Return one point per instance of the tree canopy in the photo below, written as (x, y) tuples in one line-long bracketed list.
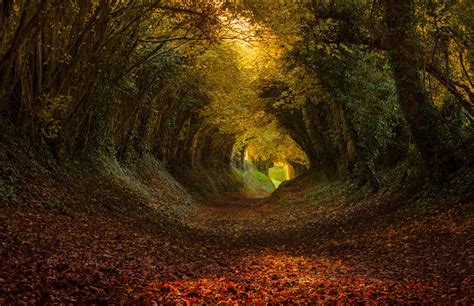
[(347, 88)]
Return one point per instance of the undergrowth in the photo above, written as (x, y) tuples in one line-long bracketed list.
[(96, 183)]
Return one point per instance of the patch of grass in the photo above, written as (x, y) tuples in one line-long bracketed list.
[(262, 179), (276, 183), (277, 174), (254, 181)]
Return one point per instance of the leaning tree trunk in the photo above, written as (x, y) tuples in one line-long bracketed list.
[(429, 134)]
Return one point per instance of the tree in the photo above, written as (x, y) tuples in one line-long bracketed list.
[(430, 135)]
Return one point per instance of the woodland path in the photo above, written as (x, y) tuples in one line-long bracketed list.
[(51, 257)]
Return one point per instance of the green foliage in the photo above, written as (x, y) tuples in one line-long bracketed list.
[(270, 143), (277, 174), (199, 83), (96, 70), (229, 72), (51, 114), (372, 106), (7, 187), (253, 181)]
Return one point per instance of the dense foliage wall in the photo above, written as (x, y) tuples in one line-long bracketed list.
[(351, 88), (110, 77), (367, 85)]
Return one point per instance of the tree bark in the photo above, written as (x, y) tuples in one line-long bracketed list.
[(325, 155), (429, 134)]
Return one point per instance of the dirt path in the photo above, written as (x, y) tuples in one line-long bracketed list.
[(51, 257), (238, 215)]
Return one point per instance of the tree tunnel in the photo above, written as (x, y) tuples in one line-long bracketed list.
[(215, 88), (236, 152)]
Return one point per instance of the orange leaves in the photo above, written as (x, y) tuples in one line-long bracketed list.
[(49, 257), (268, 276)]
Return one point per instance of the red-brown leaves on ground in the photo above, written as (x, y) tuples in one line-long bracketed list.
[(50, 257)]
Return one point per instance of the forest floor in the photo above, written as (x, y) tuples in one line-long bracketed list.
[(297, 246)]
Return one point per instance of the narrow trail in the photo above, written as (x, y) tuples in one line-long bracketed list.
[(49, 257), (118, 117), (237, 214)]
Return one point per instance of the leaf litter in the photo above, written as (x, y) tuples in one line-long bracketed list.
[(237, 251)]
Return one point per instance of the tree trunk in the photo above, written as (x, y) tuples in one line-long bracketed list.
[(429, 134), (324, 153)]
